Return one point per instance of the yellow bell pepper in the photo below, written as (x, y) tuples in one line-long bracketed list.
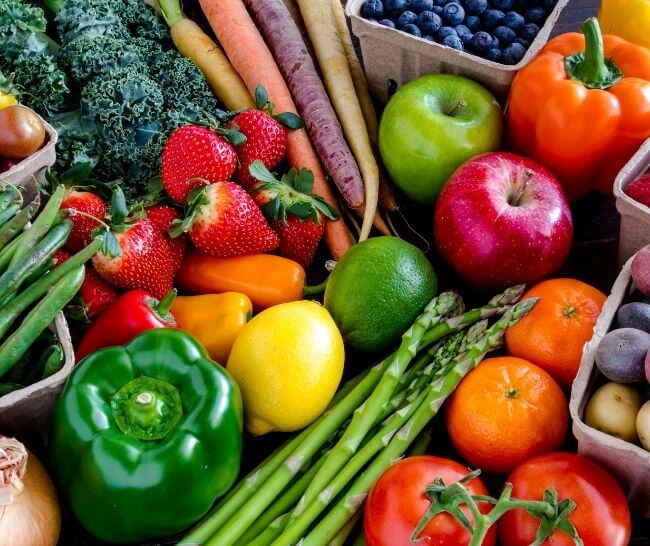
[(6, 99), (215, 320), (629, 19)]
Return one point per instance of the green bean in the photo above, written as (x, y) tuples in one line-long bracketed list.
[(39, 318), (8, 213), (7, 387), (11, 279), (6, 196), (38, 273), (17, 223), (43, 223), (7, 252), (54, 362), (24, 299)]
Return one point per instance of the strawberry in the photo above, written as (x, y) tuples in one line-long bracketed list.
[(135, 253), (193, 155), (163, 216), (223, 220), (266, 136), (95, 295), (91, 208), (294, 212)]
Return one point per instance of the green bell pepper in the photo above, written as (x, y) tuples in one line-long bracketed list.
[(146, 437)]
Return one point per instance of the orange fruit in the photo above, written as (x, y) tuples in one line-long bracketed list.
[(554, 333), (504, 412)]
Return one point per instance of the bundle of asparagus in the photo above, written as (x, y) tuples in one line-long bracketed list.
[(311, 490)]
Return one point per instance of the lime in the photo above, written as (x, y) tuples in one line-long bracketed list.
[(377, 290)]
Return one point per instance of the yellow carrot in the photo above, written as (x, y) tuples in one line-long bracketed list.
[(321, 26), (193, 43)]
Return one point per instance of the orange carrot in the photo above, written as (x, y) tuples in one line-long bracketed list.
[(251, 58)]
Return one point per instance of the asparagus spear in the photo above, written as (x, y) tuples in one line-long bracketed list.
[(345, 508)]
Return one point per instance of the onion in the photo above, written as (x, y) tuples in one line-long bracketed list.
[(29, 509)]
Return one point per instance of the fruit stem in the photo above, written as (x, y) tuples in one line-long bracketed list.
[(316, 289), (166, 302), (462, 103)]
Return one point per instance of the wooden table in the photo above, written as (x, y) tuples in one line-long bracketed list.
[(593, 259)]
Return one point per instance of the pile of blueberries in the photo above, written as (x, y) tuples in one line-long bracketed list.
[(498, 30)]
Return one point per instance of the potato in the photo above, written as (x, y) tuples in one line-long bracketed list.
[(641, 270), (613, 410), (643, 425), (634, 315), (621, 355)]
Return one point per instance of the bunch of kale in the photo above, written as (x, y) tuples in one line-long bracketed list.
[(130, 88)]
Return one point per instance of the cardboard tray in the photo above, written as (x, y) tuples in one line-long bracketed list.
[(629, 462), (32, 169), (635, 217), (392, 58), (31, 407)]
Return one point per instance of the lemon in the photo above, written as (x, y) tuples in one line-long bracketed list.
[(288, 363)]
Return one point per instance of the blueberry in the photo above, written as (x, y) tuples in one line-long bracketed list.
[(475, 7), (419, 6), (492, 18), (494, 55), (411, 29), (454, 42), (481, 42), (503, 5), (437, 10), (387, 23), (453, 13), (394, 7), (529, 31), (513, 53), (464, 33), (372, 9), (407, 18), (548, 5), (440, 2), (429, 37), (527, 4), (444, 32), (522, 42), (495, 43), (535, 15), (514, 20), (429, 22), (472, 22), (505, 35)]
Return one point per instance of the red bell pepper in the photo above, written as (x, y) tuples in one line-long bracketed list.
[(129, 315)]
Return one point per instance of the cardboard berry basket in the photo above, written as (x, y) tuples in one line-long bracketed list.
[(635, 217), (629, 462), (32, 406), (32, 169), (392, 57)]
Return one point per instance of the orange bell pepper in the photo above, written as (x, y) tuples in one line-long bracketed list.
[(266, 279), (215, 320), (582, 107)]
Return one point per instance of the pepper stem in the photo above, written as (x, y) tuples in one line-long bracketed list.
[(316, 289), (590, 67), (166, 302), (144, 398)]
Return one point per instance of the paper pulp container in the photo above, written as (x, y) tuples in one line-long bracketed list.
[(630, 463), (32, 406), (635, 217), (392, 58), (32, 169)]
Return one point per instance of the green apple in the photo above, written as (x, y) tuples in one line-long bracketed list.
[(431, 126)]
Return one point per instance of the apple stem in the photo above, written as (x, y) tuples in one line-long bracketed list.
[(515, 200), (462, 103)]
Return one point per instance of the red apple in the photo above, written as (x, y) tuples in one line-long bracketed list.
[(501, 220), (639, 190)]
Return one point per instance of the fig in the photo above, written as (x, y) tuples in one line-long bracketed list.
[(634, 315), (643, 425), (621, 355), (613, 409), (641, 270)]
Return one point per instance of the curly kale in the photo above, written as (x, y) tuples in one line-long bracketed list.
[(79, 141), (149, 51), (85, 17), (90, 55), (141, 20)]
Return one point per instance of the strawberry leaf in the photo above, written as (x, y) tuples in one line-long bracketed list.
[(119, 210), (258, 170), (233, 135), (79, 172), (261, 97), (110, 245), (301, 209), (195, 200), (290, 120), (325, 208), (304, 181), (155, 186)]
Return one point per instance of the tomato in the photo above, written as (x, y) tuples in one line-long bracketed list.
[(397, 502), (602, 517), (21, 132)]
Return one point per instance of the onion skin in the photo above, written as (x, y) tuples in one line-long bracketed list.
[(34, 516)]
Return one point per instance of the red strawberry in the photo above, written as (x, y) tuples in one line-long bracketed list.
[(163, 216), (224, 221), (89, 206), (295, 214), (639, 190), (96, 295), (192, 155), (266, 136)]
